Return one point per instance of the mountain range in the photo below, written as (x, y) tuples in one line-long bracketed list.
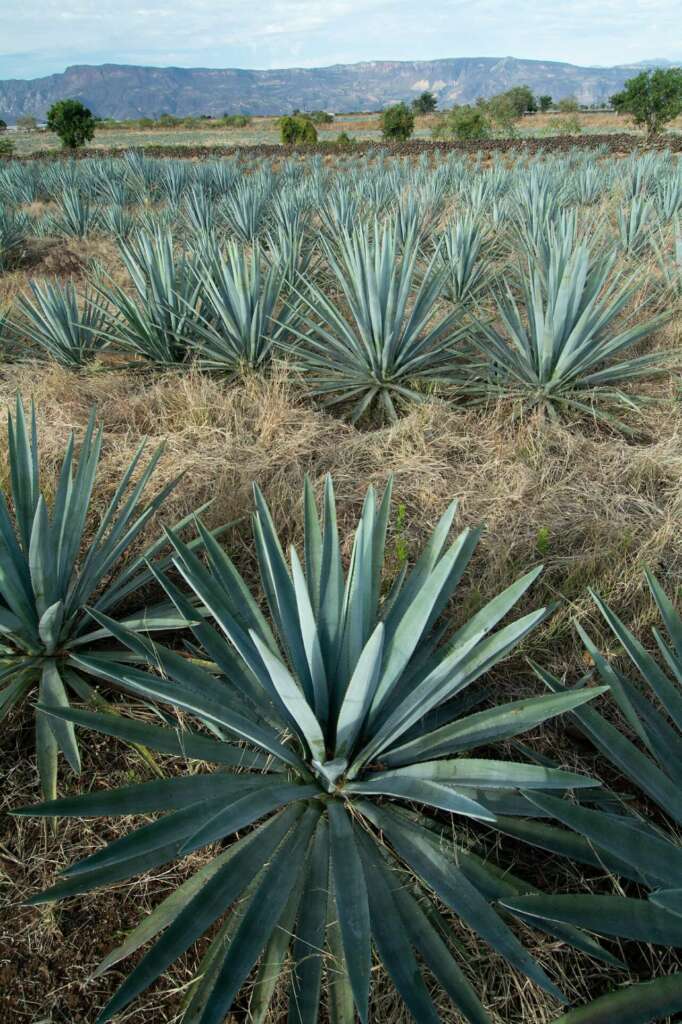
[(126, 91)]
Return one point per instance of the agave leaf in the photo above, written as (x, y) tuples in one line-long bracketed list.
[(643, 1003)]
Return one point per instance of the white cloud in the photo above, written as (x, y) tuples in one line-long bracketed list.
[(42, 36)]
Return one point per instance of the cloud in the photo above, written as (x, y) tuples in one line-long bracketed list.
[(43, 36)]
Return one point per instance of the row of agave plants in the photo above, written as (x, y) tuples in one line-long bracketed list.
[(338, 732), (386, 283)]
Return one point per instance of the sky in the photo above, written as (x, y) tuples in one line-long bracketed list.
[(40, 37)]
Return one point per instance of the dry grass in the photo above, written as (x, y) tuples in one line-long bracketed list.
[(599, 507), (595, 508)]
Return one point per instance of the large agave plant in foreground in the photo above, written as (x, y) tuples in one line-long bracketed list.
[(568, 354), (628, 844), (48, 574), (322, 728)]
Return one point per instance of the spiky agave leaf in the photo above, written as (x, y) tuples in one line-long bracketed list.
[(161, 321), (344, 707), (627, 843), (53, 320), (566, 355), (50, 573), (244, 311), (387, 348), (14, 231)]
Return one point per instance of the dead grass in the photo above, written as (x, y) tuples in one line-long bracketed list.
[(599, 507), (595, 508)]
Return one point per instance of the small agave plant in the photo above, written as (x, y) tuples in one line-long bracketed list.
[(48, 574), (326, 731)]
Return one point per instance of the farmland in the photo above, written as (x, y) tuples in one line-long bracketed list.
[(265, 131), (499, 329)]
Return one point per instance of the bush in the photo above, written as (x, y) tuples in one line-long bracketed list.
[(568, 125), (320, 117), (504, 112), (463, 122), (425, 104), (522, 99), (544, 103), (397, 122), (235, 120), (3, 125), (568, 105), (652, 98), (6, 147), (297, 130), (27, 122), (72, 122)]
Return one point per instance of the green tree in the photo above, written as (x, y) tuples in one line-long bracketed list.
[(652, 98), (522, 99), (568, 105), (72, 122), (397, 122), (544, 102), (297, 130), (425, 104), (463, 122), (503, 112), (3, 125), (27, 122)]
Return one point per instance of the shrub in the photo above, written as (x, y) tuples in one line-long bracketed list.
[(72, 122), (568, 105), (652, 98), (27, 122), (6, 147), (3, 125), (569, 125), (522, 99), (425, 104), (320, 117), (344, 718), (235, 120), (464, 123), (397, 122), (297, 130), (503, 111)]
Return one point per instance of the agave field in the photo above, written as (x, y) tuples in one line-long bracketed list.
[(340, 572)]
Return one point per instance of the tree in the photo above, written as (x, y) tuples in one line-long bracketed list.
[(27, 122), (72, 122), (522, 99), (397, 122), (652, 98), (544, 102), (297, 130), (3, 125), (425, 104), (568, 105), (504, 112), (463, 122)]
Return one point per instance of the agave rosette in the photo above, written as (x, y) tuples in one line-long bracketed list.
[(49, 572), (325, 731)]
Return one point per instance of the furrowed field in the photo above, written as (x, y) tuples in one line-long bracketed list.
[(424, 764)]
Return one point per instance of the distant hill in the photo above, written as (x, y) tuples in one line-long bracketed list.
[(126, 91)]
